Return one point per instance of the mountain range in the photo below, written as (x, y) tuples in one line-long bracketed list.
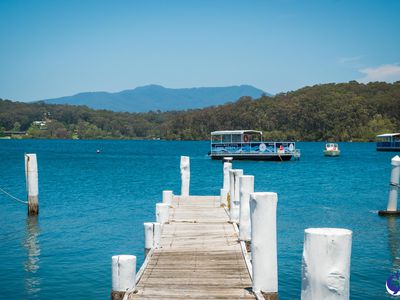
[(156, 97)]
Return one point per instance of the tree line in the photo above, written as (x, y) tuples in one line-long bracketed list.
[(336, 112)]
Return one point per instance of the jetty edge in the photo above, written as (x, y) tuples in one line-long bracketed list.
[(198, 253)]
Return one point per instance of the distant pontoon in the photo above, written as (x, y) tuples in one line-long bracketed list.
[(388, 142)]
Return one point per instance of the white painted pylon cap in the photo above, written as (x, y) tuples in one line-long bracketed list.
[(396, 161), (247, 176), (264, 196), (328, 231)]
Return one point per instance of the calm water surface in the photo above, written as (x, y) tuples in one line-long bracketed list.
[(92, 206)]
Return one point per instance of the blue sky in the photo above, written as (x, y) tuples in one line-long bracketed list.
[(62, 47)]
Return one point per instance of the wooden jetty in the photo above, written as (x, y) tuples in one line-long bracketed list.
[(200, 256), (197, 249)]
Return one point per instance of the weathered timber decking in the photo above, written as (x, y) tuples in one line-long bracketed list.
[(199, 258)]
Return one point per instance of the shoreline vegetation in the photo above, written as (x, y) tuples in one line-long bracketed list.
[(327, 112)]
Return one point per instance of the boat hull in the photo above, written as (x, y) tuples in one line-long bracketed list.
[(331, 152), (274, 157), (388, 149)]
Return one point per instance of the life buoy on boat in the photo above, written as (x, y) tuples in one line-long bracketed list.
[(262, 147), (245, 138)]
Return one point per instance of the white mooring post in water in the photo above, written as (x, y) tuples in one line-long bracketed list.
[(263, 243), (185, 175), (234, 194), (326, 264), (246, 187), (394, 189), (167, 197), (32, 183), (123, 275), (162, 213), (225, 186)]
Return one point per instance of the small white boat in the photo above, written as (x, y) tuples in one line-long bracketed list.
[(331, 149)]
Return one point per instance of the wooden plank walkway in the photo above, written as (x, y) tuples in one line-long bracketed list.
[(199, 258)]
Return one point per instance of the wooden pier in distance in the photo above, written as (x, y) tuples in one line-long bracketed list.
[(200, 256)]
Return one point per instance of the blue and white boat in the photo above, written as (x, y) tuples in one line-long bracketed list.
[(249, 145), (388, 142)]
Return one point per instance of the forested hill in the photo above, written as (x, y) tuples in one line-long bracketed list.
[(340, 112)]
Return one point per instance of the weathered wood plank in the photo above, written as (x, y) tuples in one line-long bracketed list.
[(199, 258)]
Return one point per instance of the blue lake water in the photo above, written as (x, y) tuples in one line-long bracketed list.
[(93, 206)]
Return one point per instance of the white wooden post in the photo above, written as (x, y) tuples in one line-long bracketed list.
[(227, 159), (246, 187), (185, 175), (148, 236), (123, 275), (32, 183), (226, 168), (263, 242), (156, 235), (326, 264), (394, 184), (162, 213), (235, 201), (231, 187), (224, 197), (167, 197), (152, 235), (225, 187)]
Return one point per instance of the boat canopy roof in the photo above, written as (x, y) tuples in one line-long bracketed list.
[(223, 132), (387, 135)]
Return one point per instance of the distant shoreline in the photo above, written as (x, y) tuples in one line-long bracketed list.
[(164, 140), (327, 112)]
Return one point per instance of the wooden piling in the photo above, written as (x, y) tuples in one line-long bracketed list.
[(185, 175), (225, 187), (123, 276), (234, 194), (263, 242), (148, 237), (394, 189), (226, 167), (223, 198), (246, 187), (326, 264), (162, 213), (156, 234), (32, 183), (167, 197)]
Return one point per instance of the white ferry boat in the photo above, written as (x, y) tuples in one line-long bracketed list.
[(249, 145)]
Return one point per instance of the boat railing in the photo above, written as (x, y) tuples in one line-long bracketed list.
[(388, 144), (254, 147)]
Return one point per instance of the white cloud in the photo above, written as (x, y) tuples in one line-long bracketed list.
[(388, 73), (350, 60)]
